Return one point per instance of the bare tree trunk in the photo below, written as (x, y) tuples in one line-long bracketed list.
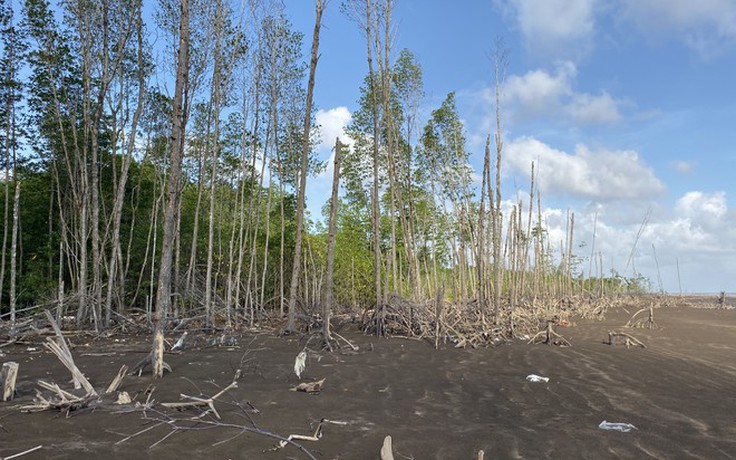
[(216, 83), (331, 234), (14, 253), (499, 68), (291, 323), (480, 243), (125, 167), (163, 292)]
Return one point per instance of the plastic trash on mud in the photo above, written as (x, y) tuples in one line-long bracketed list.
[(537, 378), (612, 426)]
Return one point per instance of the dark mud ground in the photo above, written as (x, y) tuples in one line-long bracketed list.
[(680, 392)]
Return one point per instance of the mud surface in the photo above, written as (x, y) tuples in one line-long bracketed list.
[(680, 393)]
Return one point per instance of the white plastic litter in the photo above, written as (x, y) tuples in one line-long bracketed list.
[(622, 427), (537, 378), (300, 363)]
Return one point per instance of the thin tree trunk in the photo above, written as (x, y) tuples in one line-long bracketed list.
[(291, 323), (331, 234), (216, 83), (163, 292), (14, 253)]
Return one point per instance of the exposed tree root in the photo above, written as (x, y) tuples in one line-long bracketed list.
[(616, 337), (549, 337)]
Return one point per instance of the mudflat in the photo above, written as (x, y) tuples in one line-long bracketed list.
[(679, 392)]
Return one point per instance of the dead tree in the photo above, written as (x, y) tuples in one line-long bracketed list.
[(163, 293)]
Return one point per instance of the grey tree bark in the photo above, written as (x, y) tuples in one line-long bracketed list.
[(296, 268)]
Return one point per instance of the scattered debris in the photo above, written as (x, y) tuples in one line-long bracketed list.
[(537, 378), (179, 345), (310, 387), (123, 398), (622, 427), (209, 402), (300, 363)]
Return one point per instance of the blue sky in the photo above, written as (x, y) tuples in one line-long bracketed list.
[(627, 107)]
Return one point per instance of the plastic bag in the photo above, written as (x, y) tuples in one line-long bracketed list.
[(622, 427), (537, 378)]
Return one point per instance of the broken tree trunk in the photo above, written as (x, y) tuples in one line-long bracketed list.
[(7, 377), (387, 452), (437, 315), (65, 356)]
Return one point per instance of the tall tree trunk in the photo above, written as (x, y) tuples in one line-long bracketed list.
[(331, 233), (163, 292), (291, 323), (14, 253), (119, 196), (216, 83)]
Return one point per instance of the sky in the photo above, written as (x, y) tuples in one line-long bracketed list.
[(627, 108)]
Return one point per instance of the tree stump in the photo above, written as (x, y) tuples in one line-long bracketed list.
[(7, 376)]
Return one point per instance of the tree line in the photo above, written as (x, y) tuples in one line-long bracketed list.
[(169, 176)]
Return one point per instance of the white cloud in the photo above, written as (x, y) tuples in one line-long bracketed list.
[(539, 93), (707, 26), (685, 167), (557, 28), (689, 253), (703, 209), (601, 175), (586, 108), (332, 125)]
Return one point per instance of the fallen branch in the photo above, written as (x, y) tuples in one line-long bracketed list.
[(198, 402), (301, 437), (20, 454)]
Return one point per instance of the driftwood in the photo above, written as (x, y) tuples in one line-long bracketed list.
[(310, 387), (25, 452), (195, 401), (7, 377), (615, 337), (61, 400), (301, 437)]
